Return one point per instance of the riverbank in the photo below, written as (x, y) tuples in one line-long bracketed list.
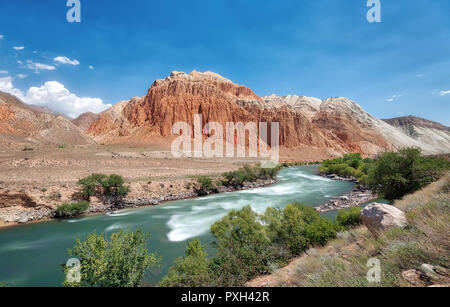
[(170, 225), (13, 216), (357, 197), (413, 257)]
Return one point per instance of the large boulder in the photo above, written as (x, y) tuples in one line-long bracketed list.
[(381, 217)]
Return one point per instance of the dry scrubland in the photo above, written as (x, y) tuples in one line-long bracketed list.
[(47, 175), (402, 253)]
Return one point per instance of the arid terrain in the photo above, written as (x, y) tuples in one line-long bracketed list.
[(43, 154), (48, 175)]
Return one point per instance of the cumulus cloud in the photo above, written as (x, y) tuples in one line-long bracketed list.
[(1, 36), (22, 76), (420, 75), (18, 48), (393, 97), (66, 60), (38, 66), (443, 93), (7, 86), (3, 71), (55, 96), (91, 67)]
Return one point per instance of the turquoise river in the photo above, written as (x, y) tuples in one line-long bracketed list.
[(31, 255)]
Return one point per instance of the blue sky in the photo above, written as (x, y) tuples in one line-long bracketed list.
[(320, 48)]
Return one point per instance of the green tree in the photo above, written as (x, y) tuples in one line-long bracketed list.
[(192, 270), (120, 261)]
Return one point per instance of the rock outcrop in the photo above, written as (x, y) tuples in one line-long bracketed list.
[(381, 217)]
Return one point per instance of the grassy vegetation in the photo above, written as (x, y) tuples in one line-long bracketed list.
[(350, 217), (249, 244), (71, 210), (28, 149)]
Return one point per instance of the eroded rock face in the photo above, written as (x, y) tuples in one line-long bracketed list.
[(337, 124), (16, 199), (381, 217), (180, 96)]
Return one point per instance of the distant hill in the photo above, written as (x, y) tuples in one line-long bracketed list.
[(20, 122), (85, 120), (423, 130), (45, 110)]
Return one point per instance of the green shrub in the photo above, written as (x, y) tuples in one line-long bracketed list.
[(397, 174), (350, 217), (91, 185), (192, 270), (205, 186), (71, 210), (249, 244), (249, 174), (120, 261), (243, 248), (28, 149), (110, 187)]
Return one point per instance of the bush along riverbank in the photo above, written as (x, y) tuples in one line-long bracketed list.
[(390, 176), (106, 194)]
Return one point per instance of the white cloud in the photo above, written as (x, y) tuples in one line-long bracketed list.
[(420, 75), (22, 76), (443, 93), (66, 60), (1, 36), (7, 86), (38, 66), (55, 96), (3, 71), (91, 67), (393, 97), (19, 48)]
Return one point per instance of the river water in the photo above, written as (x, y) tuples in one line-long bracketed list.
[(31, 255)]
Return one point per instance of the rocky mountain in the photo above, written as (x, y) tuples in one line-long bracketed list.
[(423, 130), (22, 123), (309, 127), (85, 120)]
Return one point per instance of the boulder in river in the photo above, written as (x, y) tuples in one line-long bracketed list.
[(381, 217)]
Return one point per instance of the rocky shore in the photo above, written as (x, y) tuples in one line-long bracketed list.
[(21, 215), (356, 197)]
